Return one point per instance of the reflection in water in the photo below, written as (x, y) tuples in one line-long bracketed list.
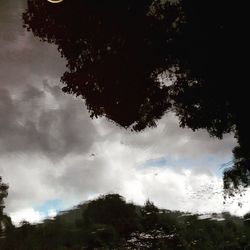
[(116, 51)]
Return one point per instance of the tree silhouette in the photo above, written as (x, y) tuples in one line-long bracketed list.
[(3, 194), (112, 210), (115, 51), (210, 92), (150, 216), (132, 61)]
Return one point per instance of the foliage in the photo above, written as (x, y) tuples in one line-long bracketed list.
[(5, 221), (3, 194), (132, 61), (112, 210)]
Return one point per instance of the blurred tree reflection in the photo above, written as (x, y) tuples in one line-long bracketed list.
[(132, 61)]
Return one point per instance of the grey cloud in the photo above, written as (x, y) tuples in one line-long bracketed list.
[(35, 59), (86, 177), (168, 139), (25, 175), (10, 14), (22, 55), (27, 125)]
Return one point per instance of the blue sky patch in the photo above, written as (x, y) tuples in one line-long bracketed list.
[(48, 205), (158, 162)]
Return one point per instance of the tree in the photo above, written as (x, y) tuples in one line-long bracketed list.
[(114, 50), (210, 93), (3, 194), (112, 210), (123, 55), (150, 216)]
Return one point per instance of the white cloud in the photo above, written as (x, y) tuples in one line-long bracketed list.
[(52, 213), (27, 214), (78, 158)]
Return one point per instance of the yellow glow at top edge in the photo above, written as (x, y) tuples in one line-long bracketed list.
[(55, 1)]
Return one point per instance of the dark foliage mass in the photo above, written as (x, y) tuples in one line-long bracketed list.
[(132, 61), (5, 221), (114, 53), (3, 194), (98, 224)]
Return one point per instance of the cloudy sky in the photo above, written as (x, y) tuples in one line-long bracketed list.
[(54, 156)]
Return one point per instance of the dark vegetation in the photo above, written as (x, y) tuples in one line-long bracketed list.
[(120, 55), (5, 221), (108, 222)]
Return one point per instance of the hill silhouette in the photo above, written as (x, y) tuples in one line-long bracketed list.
[(109, 222)]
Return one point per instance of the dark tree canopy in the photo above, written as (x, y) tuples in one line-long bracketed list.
[(117, 51), (112, 210), (3, 194), (150, 218), (4, 220)]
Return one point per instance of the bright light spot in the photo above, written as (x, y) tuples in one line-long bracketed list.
[(52, 213), (27, 214), (55, 1)]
